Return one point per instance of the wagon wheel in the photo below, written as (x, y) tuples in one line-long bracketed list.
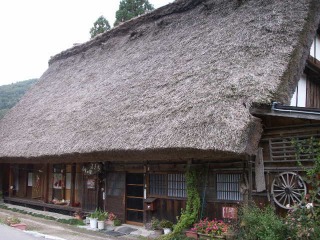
[(288, 189)]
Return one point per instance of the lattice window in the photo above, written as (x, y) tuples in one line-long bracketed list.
[(284, 149), (158, 184), (171, 185), (228, 187), (176, 185)]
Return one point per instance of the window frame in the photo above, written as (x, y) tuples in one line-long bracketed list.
[(166, 184)]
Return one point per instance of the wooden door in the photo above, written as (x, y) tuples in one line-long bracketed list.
[(90, 196), (134, 198), (115, 194)]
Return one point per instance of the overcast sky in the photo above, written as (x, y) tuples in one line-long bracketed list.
[(34, 30)]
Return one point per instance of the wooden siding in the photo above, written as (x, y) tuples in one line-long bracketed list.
[(166, 209), (313, 92)]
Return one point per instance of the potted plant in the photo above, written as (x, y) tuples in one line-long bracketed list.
[(111, 218), (78, 215), (155, 226), (94, 219), (210, 229), (166, 225), (102, 216), (15, 222)]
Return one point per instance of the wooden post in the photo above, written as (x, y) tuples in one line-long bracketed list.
[(46, 183), (73, 182), (251, 158), (10, 180)]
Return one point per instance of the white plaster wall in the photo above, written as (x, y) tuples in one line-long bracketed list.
[(315, 48), (300, 94)]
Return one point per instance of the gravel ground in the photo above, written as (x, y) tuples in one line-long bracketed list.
[(56, 229)]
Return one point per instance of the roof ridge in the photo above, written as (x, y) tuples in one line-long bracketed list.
[(177, 6)]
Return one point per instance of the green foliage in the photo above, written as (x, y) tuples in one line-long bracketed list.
[(155, 224), (261, 224), (117, 222), (190, 214), (310, 147), (131, 8), (302, 222), (11, 94), (99, 26), (304, 219), (71, 221), (12, 220), (166, 224), (38, 215)]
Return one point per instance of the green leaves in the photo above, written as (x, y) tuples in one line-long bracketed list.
[(99, 26), (131, 8)]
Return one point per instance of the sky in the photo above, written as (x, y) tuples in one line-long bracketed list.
[(34, 30)]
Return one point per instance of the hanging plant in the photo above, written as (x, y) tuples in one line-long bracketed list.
[(92, 168)]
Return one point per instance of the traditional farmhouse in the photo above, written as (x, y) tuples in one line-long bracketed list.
[(212, 85)]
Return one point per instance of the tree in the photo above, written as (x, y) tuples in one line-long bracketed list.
[(99, 26), (131, 8)]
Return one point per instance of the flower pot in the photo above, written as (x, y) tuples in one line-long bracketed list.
[(192, 234), (93, 223), (20, 226), (109, 222), (100, 225), (166, 231), (206, 236), (158, 232), (230, 235)]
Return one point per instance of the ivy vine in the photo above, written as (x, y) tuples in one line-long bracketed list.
[(191, 213)]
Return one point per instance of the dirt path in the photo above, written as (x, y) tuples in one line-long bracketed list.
[(54, 228)]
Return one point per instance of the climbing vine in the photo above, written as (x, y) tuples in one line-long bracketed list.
[(311, 148), (190, 214)]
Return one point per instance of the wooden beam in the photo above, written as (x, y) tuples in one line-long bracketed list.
[(251, 159), (73, 182), (46, 184)]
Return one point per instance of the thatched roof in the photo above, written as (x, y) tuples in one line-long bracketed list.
[(179, 79)]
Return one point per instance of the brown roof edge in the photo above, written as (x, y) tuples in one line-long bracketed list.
[(127, 27), (162, 155)]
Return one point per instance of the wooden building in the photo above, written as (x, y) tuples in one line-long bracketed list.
[(117, 121)]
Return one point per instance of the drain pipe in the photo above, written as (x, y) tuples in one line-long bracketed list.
[(274, 108)]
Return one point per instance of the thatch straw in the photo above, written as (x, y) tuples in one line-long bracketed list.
[(181, 77)]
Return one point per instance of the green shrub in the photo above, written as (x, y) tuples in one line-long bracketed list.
[(117, 222), (71, 221), (303, 223), (166, 224), (264, 224)]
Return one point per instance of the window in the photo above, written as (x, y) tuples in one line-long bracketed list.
[(158, 184), (171, 185), (176, 185), (228, 187), (30, 179)]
